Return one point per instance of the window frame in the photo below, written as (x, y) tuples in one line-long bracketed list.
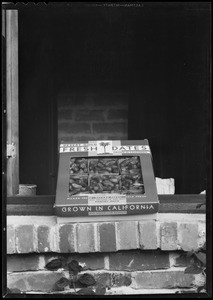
[(10, 20)]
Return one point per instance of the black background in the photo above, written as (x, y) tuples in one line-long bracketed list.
[(158, 53)]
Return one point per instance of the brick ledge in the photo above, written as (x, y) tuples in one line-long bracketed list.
[(42, 234)]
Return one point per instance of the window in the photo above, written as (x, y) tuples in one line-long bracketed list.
[(133, 51)]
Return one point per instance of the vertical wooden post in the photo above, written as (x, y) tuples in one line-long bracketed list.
[(12, 100), (3, 22)]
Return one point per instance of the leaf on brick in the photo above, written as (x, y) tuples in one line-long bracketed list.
[(54, 264), (61, 284), (87, 279), (193, 269), (74, 267), (100, 290), (202, 248), (86, 291), (189, 254), (201, 288), (201, 257)]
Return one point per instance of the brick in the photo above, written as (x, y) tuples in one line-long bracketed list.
[(117, 136), (43, 233), (89, 115), (188, 236), (138, 260), (109, 127), (84, 99), (15, 282), (148, 235), (63, 138), (67, 238), (34, 281), (181, 260), (65, 114), (201, 234), (103, 278), (25, 238), (85, 237), (121, 279), (127, 235), (91, 261), (117, 114), (10, 239), (168, 236), (162, 280), (73, 128), (107, 237), (22, 262)]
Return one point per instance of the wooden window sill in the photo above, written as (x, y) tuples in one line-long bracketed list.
[(43, 205)]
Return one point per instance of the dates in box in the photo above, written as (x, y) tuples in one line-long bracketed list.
[(106, 178)]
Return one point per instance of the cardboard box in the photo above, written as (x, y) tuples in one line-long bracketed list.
[(106, 178)]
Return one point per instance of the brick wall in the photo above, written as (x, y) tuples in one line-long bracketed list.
[(129, 257), (91, 116)]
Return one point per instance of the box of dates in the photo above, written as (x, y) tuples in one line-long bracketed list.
[(105, 178)]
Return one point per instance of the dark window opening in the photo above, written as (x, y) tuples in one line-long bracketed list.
[(115, 73)]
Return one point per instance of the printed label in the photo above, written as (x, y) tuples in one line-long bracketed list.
[(110, 209), (100, 199), (104, 148)]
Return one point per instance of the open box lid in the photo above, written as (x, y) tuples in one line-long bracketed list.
[(120, 202)]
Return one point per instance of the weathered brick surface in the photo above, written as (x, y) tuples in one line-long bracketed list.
[(107, 237), (25, 238), (85, 237), (104, 237), (127, 235), (162, 280), (89, 115), (169, 236), (103, 278), (109, 128), (117, 114), (201, 233), (73, 138), (79, 128), (90, 261), (188, 236), (33, 281), (10, 239), (148, 235), (121, 279), (15, 281), (82, 110), (182, 260), (22, 262), (137, 268), (43, 233), (67, 236), (138, 260)]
